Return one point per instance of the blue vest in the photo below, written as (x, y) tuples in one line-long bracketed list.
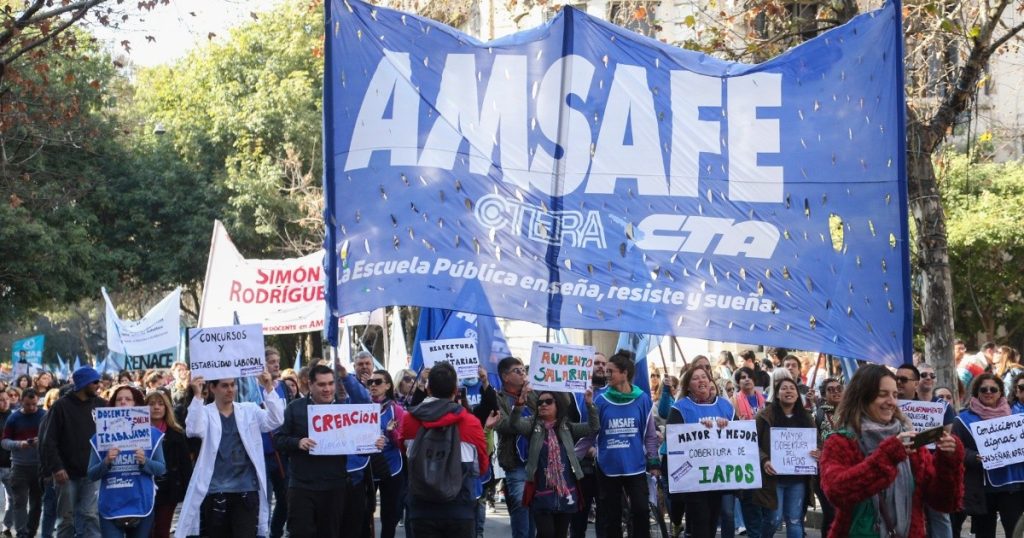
[(620, 443), (522, 443), (392, 455), (1001, 476), (473, 395), (126, 491), (581, 404), (693, 412)]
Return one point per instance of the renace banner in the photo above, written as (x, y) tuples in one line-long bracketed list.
[(579, 175), (151, 342)]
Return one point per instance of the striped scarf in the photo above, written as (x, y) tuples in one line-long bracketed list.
[(554, 471)]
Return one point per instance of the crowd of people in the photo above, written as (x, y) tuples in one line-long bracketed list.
[(450, 448)]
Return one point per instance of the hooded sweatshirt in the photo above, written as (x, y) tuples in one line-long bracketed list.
[(436, 413), (65, 433)]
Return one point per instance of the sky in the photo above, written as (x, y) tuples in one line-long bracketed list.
[(177, 28)]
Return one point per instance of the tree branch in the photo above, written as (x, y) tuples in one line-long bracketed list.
[(81, 4), (1010, 34), (48, 36), (7, 35)]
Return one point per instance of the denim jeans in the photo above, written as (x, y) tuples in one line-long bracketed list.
[(727, 518), (519, 515), (77, 499), (49, 519), (737, 514), (790, 509), (939, 524), (754, 516)]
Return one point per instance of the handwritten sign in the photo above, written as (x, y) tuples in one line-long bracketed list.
[(226, 352), (924, 415), (344, 428), (459, 352), (791, 450), (710, 459), (560, 367), (1000, 441), (123, 428)]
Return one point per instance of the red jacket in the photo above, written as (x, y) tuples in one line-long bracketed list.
[(848, 478), (470, 431)]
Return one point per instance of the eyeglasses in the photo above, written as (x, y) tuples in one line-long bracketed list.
[(834, 389), (902, 379), (375, 382), (546, 401), (928, 375), (1020, 388), (988, 390)]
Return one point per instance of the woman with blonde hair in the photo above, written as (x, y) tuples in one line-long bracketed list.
[(877, 479), (172, 484), (1007, 366)]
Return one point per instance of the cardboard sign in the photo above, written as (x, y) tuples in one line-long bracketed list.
[(791, 450), (123, 428), (226, 352), (344, 428), (924, 415), (1000, 441), (710, 459), (460, 352), (560, 367)]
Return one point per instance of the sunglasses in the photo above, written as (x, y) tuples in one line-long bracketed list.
[(989, 390), (928, 375), (408, 379), (834, 389), (375, 382), (902, 379), (1020, 388), (546, 401)]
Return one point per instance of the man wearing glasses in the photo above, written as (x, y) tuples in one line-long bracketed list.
[(512, 448)]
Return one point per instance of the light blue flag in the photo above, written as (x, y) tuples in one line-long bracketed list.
[(78, 364), (641, 345), (298, 359)]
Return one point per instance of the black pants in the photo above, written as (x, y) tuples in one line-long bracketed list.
[(392, 499), (357, 518), (588, 497), (443, 528), (231, 515), (552, 524), (611, 489), (26, 499), (315, 513), (1009, 506), (702, 512), (828, 512), (277, 485)]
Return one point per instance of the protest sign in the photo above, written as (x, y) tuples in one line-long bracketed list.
[(123, 428), (226, 352), (791, 450), (924, 415), (560, 367), (32, 348), (1000, 441), (710, 459), (150, 342), (460, 352), (344, 429)]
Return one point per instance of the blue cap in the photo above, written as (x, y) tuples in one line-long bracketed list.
[(84, 376)]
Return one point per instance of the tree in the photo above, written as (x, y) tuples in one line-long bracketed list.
[(985, 206)]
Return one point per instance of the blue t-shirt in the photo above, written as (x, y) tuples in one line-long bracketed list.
[(693, 412), (233, 471)]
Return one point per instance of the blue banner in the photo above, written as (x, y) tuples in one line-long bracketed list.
[(580, 175), (30, 349), (440, 324)]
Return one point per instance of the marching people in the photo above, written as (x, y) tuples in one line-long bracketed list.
[(825, 421), (587, 455), (173, 483), (698, 404), (512, 447), (627, 447), (64, 454), (552, 468), (127, 491), (1016, 399), (388, 465), (229, 478), (992, 492), (21, 438), (877, 480), (277, 466), (782, 496)]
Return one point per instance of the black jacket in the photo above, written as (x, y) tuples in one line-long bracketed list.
[(171, 485), (319, 473), (65, 433)]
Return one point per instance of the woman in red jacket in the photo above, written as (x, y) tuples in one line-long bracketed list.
[(878, 483)]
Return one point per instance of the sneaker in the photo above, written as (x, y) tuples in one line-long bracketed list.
[(677, 530), (742, 531)]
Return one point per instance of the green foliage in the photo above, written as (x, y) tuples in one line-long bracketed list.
[(984, 204), (247, 114)]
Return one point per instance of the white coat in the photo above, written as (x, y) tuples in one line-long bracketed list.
[(204, 422)]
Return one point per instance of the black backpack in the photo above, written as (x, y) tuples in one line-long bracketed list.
[(435, 464)]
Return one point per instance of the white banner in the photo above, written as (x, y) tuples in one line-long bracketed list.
[(711, 459), (791, 450), (1000, 441), (226, 352), (344, 428), (154, 337), (123, 428), (560, 367), (286, 296), (460, 352)]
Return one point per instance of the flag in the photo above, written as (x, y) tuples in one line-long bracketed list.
[(78, 364), (641, 345), (298, 359), (397, 354), (439, 324)]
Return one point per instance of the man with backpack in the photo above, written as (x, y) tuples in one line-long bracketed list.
[(447, 452)]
